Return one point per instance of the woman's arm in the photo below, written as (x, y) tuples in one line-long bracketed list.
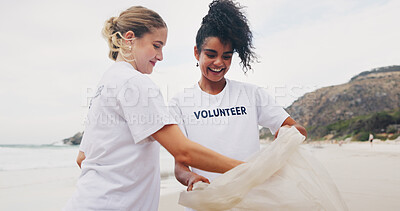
[(190, 153), (290, 122), (80, 158)]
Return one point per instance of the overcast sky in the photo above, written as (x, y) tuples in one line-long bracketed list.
[(52, 53)]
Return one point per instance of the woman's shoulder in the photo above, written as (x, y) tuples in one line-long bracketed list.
[(125, 74), (242, 85), (188, 92), (251, 90)]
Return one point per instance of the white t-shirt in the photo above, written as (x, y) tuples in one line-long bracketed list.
[(228, 122), (121, 170)]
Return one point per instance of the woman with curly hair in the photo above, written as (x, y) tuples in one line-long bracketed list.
[(222, 114)]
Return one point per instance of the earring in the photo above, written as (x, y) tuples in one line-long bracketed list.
[(197, 64), (130, 47)]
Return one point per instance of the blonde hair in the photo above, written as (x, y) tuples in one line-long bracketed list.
[(138, 19)]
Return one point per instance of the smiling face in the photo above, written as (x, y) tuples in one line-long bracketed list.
[(147, 50), (214, 60)]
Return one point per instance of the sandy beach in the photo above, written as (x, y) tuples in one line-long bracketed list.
[(367, 177)]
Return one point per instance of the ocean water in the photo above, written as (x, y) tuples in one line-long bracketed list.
[(23, 157), (54, 168), (42, 157)]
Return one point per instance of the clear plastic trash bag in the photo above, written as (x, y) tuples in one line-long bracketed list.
[(283, 176)]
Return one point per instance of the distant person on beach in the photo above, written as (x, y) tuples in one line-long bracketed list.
[(222, 114), (371, 138), (119, 153)]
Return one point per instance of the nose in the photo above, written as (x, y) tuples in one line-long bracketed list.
[(218, 62), (159, 56)]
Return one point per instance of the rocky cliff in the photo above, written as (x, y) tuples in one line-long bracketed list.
[(368, 92), (74, 140)]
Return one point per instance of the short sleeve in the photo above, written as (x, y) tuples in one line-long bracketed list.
[(143, 108), (270, 114), (82, 146), (176, 113)]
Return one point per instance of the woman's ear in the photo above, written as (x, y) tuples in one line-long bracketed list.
[(196, 53), (129, 36)]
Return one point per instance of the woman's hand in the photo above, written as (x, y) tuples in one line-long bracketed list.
[(290, 122), (195, 178), (81, 156)]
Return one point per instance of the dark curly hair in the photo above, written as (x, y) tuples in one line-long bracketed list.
[(225, 21)]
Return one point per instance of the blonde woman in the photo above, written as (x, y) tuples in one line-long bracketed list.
[(119, 153)]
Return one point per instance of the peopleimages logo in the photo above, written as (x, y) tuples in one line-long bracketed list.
[(98, 93), (193, 120), (111, 95), (131, 95), (142, 119), (133, 119)]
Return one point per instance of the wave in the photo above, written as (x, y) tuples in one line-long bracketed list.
[(27, 156), (37, 146)]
